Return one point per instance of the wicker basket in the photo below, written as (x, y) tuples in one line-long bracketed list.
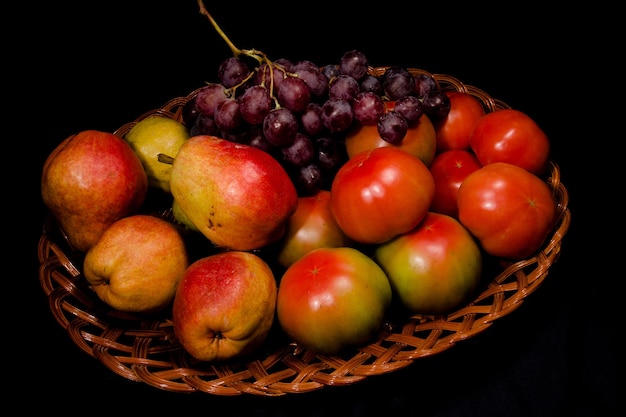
[(145, 350)]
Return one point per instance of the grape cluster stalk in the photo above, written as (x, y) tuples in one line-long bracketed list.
[(299, 112)]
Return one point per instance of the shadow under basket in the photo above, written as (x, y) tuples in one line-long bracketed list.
[(144, 349)]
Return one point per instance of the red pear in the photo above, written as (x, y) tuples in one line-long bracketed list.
[(89, 181)]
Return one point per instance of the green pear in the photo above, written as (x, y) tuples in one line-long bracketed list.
[(236, 195), (90, 180), (154, 135)]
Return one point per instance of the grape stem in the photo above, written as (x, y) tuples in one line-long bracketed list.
[(259, 56)]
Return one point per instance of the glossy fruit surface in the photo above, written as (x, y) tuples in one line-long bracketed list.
[(508, 209), (312, 226), (332, 299), (434, 268), (449, 169), (453, 131), (380, 193), (224, 306), (509, 135)]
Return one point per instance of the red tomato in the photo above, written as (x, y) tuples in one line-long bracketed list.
[(449, 169), (434, 268), (380, 193), (312, 226), (453, 131), (332, 299), (509, 135), (508, 209)]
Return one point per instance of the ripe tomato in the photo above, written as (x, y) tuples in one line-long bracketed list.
[(434, 268), (332, 299), (509, 135), (312, 226), (420, 139), (449, 169), (508, 209), (453, 131), (380, 193)]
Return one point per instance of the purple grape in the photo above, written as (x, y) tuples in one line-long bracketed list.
[(398, 83), (254, 104), (371, 83), (392, 127), (368, 107), (228, 116), (257, 140), (337, 115), (204, 125), (423, 85), (436, 104), (232, 71), (263, 76), (410, 107), (300, 153), (343, 87), (315, 80), (330, 153), (354, 63), (308, 179), (209, 97), (330, 71), (303, 64), (311, 119), (293, 94), (280, 127)]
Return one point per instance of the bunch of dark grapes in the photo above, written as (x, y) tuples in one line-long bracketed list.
[(300, 112)]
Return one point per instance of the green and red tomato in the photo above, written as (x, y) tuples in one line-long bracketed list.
[(332, 299), (434, 268)]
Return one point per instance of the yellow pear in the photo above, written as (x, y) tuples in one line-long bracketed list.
[(236, 195), (137, 264), (154, 135)]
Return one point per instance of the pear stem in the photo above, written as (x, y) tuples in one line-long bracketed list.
[(166, 159)]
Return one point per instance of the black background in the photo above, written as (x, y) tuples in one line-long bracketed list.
[(98, 65)]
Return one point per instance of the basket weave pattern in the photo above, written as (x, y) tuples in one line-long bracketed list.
[(145, 349)]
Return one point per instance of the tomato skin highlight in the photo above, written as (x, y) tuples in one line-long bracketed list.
[(508, 209), (380, 193)]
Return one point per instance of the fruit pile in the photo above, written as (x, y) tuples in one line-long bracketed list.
[(330, 197)]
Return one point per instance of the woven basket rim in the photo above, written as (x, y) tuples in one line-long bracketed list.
[(144, 349)]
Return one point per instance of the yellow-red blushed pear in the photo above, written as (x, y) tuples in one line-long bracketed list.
[(237, 195), (225, 305), (137, 264), (90, 180)]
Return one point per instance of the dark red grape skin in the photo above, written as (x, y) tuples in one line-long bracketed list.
[(354, 63), (337, 114), (255, 103), (232, 71), (392, 127), (280, 127)]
